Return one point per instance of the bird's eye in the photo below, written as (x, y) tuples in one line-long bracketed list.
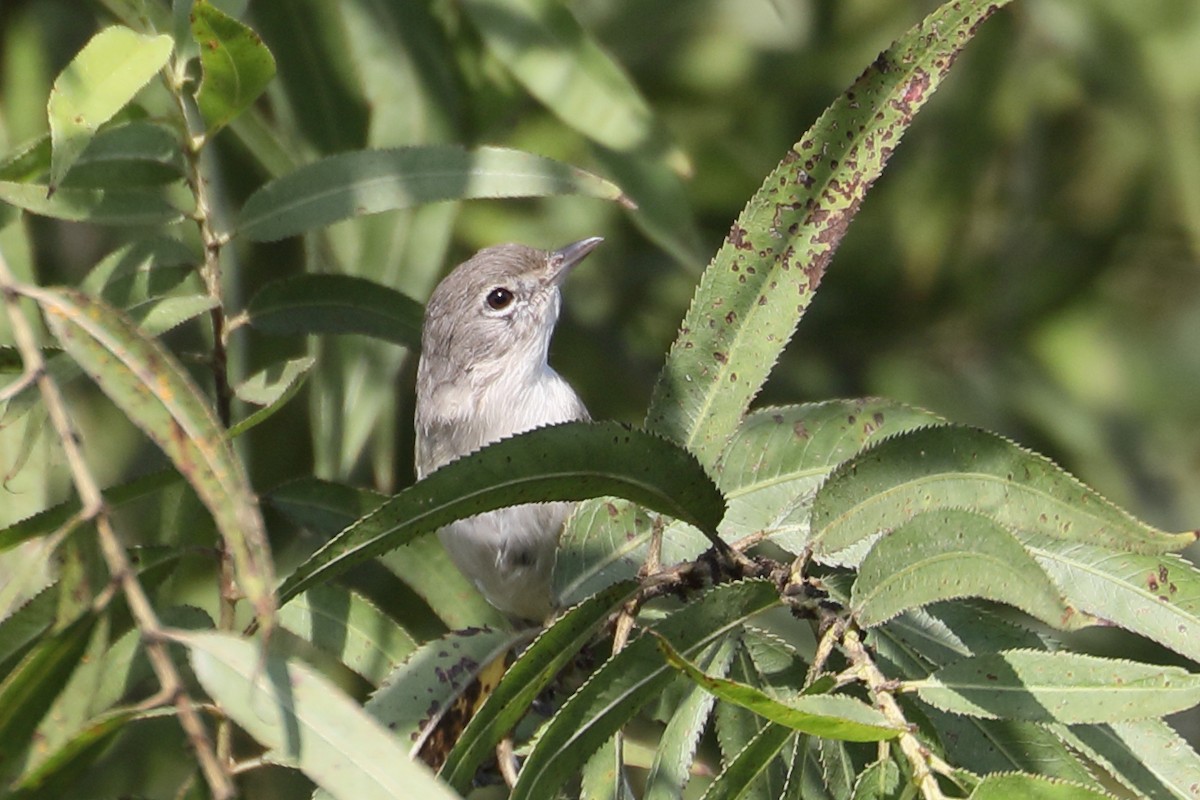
[(499, 298)]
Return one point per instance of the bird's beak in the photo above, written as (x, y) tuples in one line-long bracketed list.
[(562, 260)]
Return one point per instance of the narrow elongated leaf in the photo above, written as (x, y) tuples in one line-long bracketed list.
[(749, 763), (143, 379), (1033, 787), (879, 781), (1154, 596), (105, 75), (548, 51), (101, 206), (829, 716), (1058, 687), (670, 770), (940, 555), (349, 627), (307, 721), (628, 681), (1146, 755), (572, 461), (736, 727), (271, 388), (778, 457), (29, 690), (422, 564), (422, 692), (958, 467), (760, 282), (47, 521), (371, 181), (337, 304), (236, 65), (135, 154), (536, 667), (132, 275)]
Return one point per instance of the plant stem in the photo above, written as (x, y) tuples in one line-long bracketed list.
[(95, 509)]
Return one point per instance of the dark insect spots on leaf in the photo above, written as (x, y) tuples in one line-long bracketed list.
[(78, 119), (733, 377), (737, 238), (800, 430), (992, 677), (851, 419), (1152, 583), (212, 44), (777, 419), (1172, 588), (611, 508), (762, 299), (790, 156), (741, 278), (1162, 573), (721, 358), (688, 345), (730, 318)]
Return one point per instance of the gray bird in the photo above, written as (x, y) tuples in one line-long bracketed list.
[(483, 376)]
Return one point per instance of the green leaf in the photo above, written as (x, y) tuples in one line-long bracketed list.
[(773, 465), (1154, 596), (829, 716), (349, 627), (629, 680), (130, 276), (1058, 687), (1033, 787), (532, 672), (422, 564), (51, 519), (307, 721), (271, 388), (135, 154), (676, 750), (571, 461), (421, 693), (337, 304), (30, 689), (760, 282), (102, 78), (25, 626), (235, 63), (371, 181), (100, 206), (143, 379), (1148, 756), (879, 781), (561, 65), (958, 467), (749, 762), (941, 555)]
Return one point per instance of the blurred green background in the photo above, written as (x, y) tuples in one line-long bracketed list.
[(1029, 262)]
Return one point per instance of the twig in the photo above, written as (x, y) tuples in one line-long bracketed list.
[(95, 509), (923, 763)]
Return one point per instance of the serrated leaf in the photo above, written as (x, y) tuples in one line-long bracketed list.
[(419, 694), (271, 388), (760, 282), (749, 762), (958, 467), (533, 670), (154, 267), (371, 181), (571, 461), (307, 721), (941, 555), (100, 206), (1147, 756), (135, 154), (773, 465), (1033, 787), (1058, 687), (27, 693), (337, 304), (826, 715), (670, 770), (105, 75), (235, 64), (604, 776), (1153, 596), (51, 519), (561, 65), (629, 680), (144, 380), (879, 781), (349, 627)]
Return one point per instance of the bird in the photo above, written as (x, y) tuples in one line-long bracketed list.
[(484, 375)]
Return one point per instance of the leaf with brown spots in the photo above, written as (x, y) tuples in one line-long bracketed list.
[(237, 66), (146, 382), (760, 282)]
